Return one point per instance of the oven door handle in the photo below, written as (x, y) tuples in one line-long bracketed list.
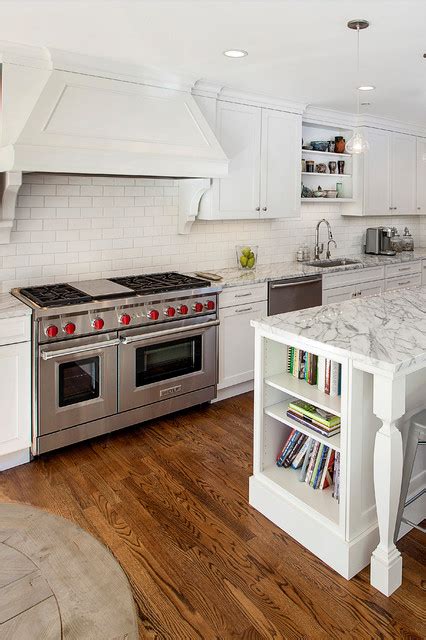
[(48, 355), (168, 332)]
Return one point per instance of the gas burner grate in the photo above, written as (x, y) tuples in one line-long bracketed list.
[(151, 283), (55, 295)]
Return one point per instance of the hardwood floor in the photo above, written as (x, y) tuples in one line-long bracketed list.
[(169, 499)]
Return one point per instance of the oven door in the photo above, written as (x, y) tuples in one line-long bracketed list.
[(156, 364), (77, 382)]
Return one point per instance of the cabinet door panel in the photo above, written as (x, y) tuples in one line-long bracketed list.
[(15, 397), (421, 175), (403, 173), (370, 289), (377, 174), (339, 294), (238, 130), (236, 343), (280, 164)]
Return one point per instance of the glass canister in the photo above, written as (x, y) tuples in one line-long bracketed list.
[(396, 241), (407, 241)]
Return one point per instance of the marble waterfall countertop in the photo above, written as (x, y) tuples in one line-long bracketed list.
[(263, 273), (11, 307), (387, 331)]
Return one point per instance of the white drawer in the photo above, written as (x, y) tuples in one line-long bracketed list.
[(403, 281), (352, 276), (393, 270), (13, 330), (232, 296)]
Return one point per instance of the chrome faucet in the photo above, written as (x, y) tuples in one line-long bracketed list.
[(319, 248)]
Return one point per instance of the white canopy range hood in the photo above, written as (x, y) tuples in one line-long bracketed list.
[(65, 113)]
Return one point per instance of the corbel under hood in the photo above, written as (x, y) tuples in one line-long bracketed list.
[(64, 113)]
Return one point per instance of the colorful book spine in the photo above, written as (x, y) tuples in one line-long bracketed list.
[(298, 460), (334, 379), (309, 447), (321, 374), (281, 456), (312, 462), (294, 450)]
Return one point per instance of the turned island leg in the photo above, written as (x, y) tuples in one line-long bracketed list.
[(389, 406)]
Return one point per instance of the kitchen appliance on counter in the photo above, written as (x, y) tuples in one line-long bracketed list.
[(294, 294), (112, 353), (378, 241)]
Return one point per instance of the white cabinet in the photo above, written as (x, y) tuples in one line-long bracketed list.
[(263, 146), (421, 175), (389, 171), (238, 128), (363, 290), (377, 173), (236, 342), (15, 390), (403, 179), (280, 164), (15, 403)]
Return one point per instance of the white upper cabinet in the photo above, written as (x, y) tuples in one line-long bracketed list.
[(264, 150), (389, 171), (281, 155), (403, 181), (421, 175), (377, 173), (239, 129)]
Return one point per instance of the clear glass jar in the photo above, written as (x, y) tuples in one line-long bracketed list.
[(407, 241), (396, 241)]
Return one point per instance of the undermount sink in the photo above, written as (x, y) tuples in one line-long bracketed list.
[(338, 262)]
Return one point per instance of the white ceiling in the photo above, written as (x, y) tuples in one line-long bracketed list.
[(298, 49)]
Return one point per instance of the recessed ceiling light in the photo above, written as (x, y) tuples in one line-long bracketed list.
[(235, 53), (366, 87)]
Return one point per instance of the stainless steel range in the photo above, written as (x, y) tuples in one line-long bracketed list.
[(112, 353)]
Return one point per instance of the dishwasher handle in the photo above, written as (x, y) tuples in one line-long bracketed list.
[(282, 285)]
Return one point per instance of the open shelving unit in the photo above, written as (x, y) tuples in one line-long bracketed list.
[(296, 499), (327, 180)]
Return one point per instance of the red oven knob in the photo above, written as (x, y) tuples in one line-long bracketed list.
[(170, 312), (183, 309), (69, 328), (210, 305), (125, 318), (153, 314), (198, 307), (98, 324), (51, 331)]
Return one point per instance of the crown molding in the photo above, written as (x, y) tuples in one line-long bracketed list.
[(379, 122), (329, 117), (261, 100), (24, 55)]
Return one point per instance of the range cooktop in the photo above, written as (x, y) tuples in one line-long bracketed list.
[(65, 294)]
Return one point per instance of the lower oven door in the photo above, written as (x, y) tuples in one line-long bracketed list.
[(158, 364), (77, 382)]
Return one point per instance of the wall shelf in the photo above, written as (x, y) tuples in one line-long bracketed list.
[(327, 153), (327, 175), (328, 200)]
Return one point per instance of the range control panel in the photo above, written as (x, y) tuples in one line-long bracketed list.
[(78, 324)]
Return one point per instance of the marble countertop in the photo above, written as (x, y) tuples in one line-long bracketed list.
[(386, 332), (263, 273), (11, 307)]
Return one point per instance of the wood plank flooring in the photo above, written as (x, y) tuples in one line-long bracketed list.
[(170, 500)]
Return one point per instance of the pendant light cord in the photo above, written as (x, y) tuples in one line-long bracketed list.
[(357, 91)]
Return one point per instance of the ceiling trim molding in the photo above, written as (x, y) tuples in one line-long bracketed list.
[(261, 100), (24, 55), (329, 117), (378, 122)]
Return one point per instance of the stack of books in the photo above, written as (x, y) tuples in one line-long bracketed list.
[(316, 419), (319, 465), (316, 370)]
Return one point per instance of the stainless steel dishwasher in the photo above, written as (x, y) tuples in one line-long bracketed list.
[(294, 293)]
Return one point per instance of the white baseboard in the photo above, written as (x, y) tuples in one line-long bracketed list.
[(235, 390), (14, 459)]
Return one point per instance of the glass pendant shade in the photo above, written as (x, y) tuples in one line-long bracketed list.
[(357, 144)]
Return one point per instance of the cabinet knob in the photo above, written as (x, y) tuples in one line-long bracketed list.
[(265, 209), (257, 208)]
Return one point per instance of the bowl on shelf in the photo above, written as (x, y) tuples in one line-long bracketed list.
[(319, 145), (246, 256), (319, 193)]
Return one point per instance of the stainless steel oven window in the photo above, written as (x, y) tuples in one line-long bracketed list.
[(78, 381), (171, 359)]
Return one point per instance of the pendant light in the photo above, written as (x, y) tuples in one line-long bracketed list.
[(358, 143)]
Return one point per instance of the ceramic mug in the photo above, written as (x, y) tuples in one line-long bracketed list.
[(341, 166), (332, 166)]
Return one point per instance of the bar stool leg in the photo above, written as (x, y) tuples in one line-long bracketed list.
[(407, 470)]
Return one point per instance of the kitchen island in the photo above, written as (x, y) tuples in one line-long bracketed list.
[(380, 345)]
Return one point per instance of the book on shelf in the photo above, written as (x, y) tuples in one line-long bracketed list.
[(308, 422), (315, 370), (318, 462), (319, 416)]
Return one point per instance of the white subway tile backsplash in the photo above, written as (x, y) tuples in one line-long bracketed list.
[(77, 227)]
